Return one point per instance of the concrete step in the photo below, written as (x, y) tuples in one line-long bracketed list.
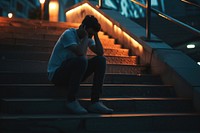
[(39, 47), (45, 56), (110, 78), (34, 36), (109, 90), (112, 52), (14, 26), (102, 123), (34, 30), (45, 40), (51, 130), (30, 22), (120, 105), (41, 66), (52, 28)]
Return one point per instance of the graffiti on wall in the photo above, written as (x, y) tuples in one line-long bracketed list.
[(128, 8)]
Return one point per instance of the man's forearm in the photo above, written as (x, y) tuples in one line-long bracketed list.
[(80, 49), (83, 46), (99, 47)]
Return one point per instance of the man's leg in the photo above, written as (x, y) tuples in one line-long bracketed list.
[(96, 65), (70, 74)]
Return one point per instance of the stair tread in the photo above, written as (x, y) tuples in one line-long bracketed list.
[(110, 90), (102, 99), (39, 36), (51, 46), (44, 61), (69, 116), (36, 66), (115, 78), (6, 64), (14, 52), (88, 85), (12, 55)]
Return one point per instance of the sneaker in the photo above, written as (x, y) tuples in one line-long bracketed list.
[(76, 108), (99, 107)]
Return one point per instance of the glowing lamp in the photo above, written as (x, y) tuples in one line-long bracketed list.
[(42, 1), (53, 11), (105, 24), (10, 15), (42, 8), (190, 46), (52, 5)]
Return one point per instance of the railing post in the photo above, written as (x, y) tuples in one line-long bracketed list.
[(100, 3), (148, 20)]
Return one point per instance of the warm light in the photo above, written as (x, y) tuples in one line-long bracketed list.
[(117, 30), (190, 46), (136, 45), (42, 9), (52, 5), (53, 11), (164, 16), (107, 24), (42, 1), (87, 6), (198, 63), (10, 15)]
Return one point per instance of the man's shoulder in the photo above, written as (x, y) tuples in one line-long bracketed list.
[(69, 31), (68, 37)]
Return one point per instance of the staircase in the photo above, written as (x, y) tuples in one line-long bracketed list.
[(31, 104)]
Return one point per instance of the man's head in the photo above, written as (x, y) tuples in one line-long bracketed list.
[(91, 24)]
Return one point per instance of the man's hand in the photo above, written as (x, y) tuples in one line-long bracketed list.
[(82, 33)]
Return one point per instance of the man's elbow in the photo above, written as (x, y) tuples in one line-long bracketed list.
[(100, 53)]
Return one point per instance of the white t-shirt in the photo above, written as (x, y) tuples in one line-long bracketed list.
[(61, 52)]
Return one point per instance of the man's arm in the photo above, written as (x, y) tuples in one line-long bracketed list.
[(81, 48), (97, 48)]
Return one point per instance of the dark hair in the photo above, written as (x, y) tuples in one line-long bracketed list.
[(91, 22)]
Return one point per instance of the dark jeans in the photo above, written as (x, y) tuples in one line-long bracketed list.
[(75, 70)]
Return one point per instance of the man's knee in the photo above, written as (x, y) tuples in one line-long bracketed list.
[(81, 60)]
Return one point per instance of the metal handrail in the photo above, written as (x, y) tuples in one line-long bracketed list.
[(160, 14), (191, 3), (171, 19), (149, 9), (138, 3)]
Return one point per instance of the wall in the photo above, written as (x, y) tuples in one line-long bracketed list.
[(20, 8)]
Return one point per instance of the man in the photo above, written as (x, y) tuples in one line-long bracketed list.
[(68, 65)]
